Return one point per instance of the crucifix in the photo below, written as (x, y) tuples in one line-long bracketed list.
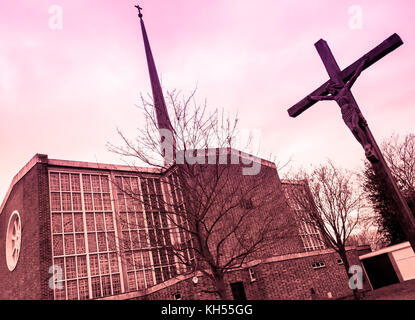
[(337, 88)]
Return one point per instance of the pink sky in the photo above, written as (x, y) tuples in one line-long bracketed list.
[(64, 92)]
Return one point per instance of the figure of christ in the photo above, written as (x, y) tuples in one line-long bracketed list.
[(351, 114)]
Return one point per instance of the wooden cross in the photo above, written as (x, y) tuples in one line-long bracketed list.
[(338, 89)]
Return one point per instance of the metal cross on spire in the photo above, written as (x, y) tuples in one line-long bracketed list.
[(139, 10)]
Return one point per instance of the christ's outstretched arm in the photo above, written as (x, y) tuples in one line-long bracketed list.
[(320, 98), (357, 73)]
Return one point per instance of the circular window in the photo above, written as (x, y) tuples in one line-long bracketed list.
[(13, 240)]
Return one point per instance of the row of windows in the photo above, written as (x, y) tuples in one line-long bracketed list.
[(71, 182), (72, 290), (140, 279), (318, 265), (179, 208), (161, 260), (181, 224), (73, 274), (141, 276), (89, 224), (76, 266), (309, 234), (128, 185), (79, 288), (141, 229), (71, 278), (136, 239), (139, 220), (151, 186), (144, 259), (133, 202), (175, 190), (130, 197), (82, 217), (312, 242), (69, 244), (67, 201), (74, 222)]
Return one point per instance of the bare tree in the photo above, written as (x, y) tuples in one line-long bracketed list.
[(332, 203), (399, 153), (400, 156), (219, 215), (367, 233)]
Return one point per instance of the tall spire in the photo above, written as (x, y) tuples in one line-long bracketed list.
[(163, 120)]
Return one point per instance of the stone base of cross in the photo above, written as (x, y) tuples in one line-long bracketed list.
[(338, 89)]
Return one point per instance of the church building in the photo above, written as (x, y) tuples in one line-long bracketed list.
[(77, 230)]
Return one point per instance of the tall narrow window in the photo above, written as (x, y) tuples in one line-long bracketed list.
[(81, 218)]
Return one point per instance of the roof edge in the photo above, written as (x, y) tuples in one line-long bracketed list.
[(43, 158), (399, 246), (37, 158), (102, 166)]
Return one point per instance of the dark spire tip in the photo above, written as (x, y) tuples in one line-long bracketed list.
[(139, 11)]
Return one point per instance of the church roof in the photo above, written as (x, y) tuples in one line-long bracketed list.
[(43, 158)]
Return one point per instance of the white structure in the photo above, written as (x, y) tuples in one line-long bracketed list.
[(389, 265)]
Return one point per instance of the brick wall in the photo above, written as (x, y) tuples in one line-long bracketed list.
[(293, 279), (283, 280), (229, 187), (29, 199), (45, 244)]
